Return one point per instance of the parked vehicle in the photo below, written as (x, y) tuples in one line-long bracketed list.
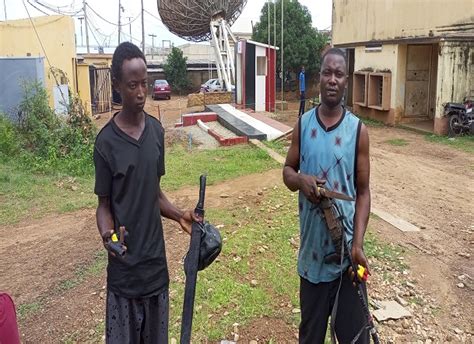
[(161, 89), (213, 85), (461, 117)]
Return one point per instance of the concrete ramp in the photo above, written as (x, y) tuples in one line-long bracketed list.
[(254, 126)]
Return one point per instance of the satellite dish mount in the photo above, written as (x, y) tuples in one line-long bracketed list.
[(220, 33)]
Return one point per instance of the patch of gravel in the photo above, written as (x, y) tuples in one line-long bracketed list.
[(220, 129), (200, 137)]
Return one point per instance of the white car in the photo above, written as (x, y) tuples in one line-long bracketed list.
[(213, 85)]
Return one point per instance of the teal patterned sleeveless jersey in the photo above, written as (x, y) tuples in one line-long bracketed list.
[(331, 155)]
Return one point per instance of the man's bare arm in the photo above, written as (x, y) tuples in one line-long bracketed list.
[(105, 222), (362, 206)]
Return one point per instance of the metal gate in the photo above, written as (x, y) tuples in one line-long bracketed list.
[(101, 89)]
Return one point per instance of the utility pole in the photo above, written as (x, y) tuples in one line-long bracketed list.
[(282, 73), (268, 21), (5, 9), (143, 29), (152, 35), (274, 44), (82, 35), (130, 28), (119, 20), (84, 4)]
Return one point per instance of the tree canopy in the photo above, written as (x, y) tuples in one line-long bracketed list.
[(175, 70), (302, 43)]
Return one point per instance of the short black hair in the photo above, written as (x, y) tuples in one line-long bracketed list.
[(125, 51), (334, 51)]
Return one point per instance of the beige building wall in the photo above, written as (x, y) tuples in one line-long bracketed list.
[(455, 77), (392, 58), (18, 38), (368, 20)]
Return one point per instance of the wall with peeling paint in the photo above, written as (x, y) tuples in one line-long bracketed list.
[(455, 74), (367, 20)]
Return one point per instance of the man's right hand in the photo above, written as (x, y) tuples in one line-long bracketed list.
[(106, 237), (308, 185)]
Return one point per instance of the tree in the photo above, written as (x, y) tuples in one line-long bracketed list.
[(302, 43), (175, 70)]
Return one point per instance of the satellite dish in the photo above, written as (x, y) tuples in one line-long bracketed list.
[(190, 19), (203, 20)]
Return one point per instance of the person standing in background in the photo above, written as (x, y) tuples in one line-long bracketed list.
[(302, 91)]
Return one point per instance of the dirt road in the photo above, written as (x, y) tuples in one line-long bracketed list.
[(427, 184)]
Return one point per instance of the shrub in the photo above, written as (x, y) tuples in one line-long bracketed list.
[(9, 138), (46, 142)]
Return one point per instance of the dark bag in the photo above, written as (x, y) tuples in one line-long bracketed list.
[(210, 247)]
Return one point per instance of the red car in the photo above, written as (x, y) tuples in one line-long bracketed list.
[(161, 89)]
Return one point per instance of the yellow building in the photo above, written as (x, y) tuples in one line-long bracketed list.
[(95, 82), (53, 38), (56, 44), (406, 57)]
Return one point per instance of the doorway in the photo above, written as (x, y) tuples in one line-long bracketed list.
[(420, 88)]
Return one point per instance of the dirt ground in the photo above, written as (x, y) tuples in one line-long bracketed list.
[(427, 184)]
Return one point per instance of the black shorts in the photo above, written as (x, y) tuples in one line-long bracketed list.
[(141, 320), (316, 302)]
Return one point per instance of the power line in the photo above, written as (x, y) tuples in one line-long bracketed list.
[(45, 54), (159, 19), (108, 21), (94, 27), (160, 23), (55, 6), (57, 10), (36, 8), (93, 35)]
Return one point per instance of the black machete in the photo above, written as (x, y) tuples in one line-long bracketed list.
[(204, 247)]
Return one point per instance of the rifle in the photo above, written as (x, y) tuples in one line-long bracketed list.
[(333, 219)]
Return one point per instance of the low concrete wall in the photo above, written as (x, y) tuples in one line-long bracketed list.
[(203, 99)]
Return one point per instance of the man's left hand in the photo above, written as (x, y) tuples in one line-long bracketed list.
[(187, 219), (358, 258)]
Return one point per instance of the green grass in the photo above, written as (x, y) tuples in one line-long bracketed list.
[(184, 167), (225, 294), (281, 147), (260, 249), (29, 309), (397, 142), (23, 193), (372, 122), (388, 253), (464, 143), (93, 268)]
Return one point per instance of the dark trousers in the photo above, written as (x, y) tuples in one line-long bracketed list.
[(137, 321), (302, 103), (316, 302)]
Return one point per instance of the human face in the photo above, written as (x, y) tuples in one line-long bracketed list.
[(333, 80), (133, 85)]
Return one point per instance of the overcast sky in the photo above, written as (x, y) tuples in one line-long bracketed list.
[(106, 34)]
